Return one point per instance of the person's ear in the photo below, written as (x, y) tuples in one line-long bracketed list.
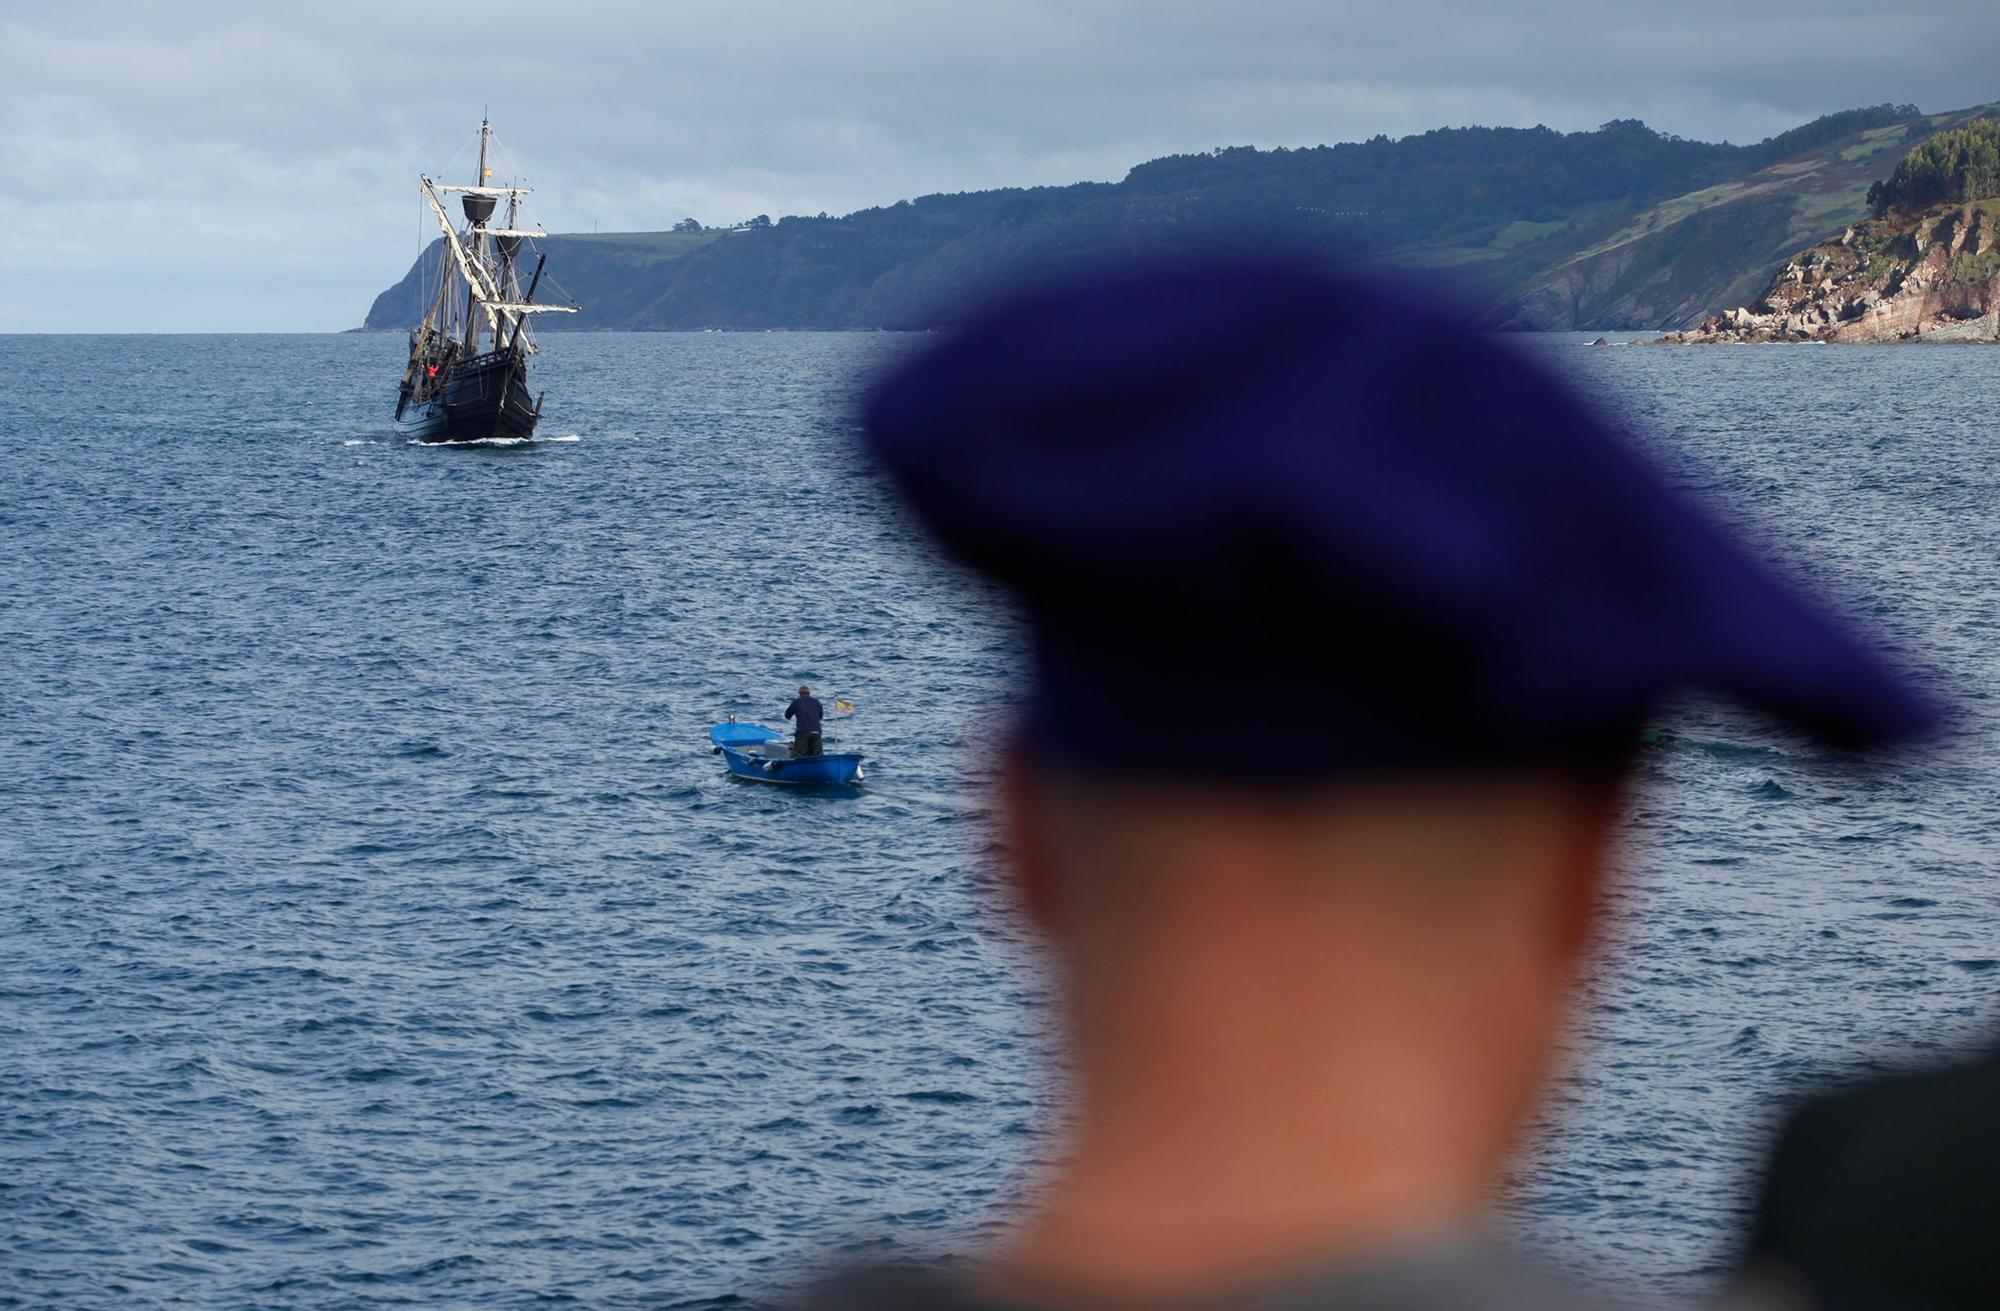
[(1025, 857), (1587, 869)]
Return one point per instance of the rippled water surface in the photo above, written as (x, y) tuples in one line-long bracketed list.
[(376, 930)]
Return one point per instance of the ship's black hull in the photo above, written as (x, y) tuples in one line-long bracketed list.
[(484, 398)]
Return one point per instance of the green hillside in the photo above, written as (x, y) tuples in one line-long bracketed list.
[(1673, 262)]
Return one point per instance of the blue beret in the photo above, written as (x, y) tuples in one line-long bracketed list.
[(1236, 493)]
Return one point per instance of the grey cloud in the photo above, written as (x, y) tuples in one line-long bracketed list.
[(278, 145)]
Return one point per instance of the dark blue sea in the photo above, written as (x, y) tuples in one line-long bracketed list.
[(376, 929)]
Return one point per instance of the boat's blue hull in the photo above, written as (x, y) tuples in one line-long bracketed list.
[(840, 768), (758, 753)]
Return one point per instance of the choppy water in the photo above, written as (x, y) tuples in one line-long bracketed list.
[(375, 930)]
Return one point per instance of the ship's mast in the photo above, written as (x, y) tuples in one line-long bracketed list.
[(508, 246), (492, 283), (478, 234)]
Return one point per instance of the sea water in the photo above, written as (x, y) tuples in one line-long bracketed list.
[(376, 929)]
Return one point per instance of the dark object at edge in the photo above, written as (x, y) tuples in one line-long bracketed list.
[(1886, 1197)]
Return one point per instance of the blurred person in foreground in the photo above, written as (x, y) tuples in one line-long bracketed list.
[(1313, 975)]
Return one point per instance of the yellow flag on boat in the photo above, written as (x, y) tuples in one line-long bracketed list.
[(842, 706)]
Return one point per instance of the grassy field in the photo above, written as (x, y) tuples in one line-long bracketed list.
[(649, 247), (1875, 142), (1521, 232)]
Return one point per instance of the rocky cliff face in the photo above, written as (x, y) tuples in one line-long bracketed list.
[(1931, 276)]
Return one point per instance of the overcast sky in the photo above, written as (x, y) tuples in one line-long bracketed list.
[(204, 166)]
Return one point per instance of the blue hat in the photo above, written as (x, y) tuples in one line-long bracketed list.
[(1232, 495)]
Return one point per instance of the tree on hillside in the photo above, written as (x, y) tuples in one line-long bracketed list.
[(1951, 168)]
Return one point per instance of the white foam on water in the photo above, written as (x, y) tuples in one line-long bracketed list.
[(358, 442), (501, 441)]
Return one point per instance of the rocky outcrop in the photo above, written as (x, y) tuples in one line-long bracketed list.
[(1929, 276)]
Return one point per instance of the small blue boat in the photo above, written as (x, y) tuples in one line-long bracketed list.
[(756, 752)]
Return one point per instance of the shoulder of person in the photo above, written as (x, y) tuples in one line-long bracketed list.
[(1446, 1279), (889, 1288)]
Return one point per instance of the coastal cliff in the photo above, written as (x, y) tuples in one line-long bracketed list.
[(1931, 276), (1923, 269)]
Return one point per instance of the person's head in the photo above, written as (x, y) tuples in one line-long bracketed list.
[(804, 690), (1403, 605), (1412, 937)]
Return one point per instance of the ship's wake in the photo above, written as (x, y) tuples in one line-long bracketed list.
[(504, 441)]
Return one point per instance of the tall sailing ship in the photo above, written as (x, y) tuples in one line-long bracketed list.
[(467, 379)]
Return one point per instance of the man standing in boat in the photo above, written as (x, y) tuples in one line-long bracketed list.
[(1313, 993), (806, 712)]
